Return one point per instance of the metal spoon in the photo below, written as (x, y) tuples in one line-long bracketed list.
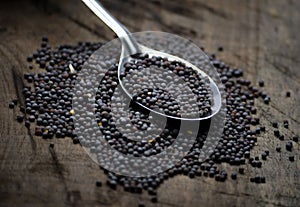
[(130, 48)]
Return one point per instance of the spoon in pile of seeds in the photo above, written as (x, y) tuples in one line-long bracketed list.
[(164, 92)]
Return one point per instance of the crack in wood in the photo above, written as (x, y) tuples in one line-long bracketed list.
[(283, 69), (58, 168)]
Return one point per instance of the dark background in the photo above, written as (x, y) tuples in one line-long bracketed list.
[(260, 36)]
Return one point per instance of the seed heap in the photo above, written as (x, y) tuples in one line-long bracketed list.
[(48, 103)]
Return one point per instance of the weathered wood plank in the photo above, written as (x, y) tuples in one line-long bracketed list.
[(259, 36)]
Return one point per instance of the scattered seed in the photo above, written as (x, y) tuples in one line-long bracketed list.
[(11, 105), (292, 158), (261, 83), (45, 39), (154, 199), (281, 137), (76, 140), (286, 124), (289, 146), (233, 176), (141, 204), (29, 58), (267, 100), (220, 48), (241, 170), (20, 118), (112, 184), (278, 149), (27, 124), (276, 133), (98, 183), (275, 124), (264, 156), (295, 138)]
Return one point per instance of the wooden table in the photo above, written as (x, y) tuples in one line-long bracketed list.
[(260, 36)]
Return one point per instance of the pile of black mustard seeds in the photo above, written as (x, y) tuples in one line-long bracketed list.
[(48, 109)]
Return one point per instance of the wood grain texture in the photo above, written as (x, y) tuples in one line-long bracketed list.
[(259, 36)]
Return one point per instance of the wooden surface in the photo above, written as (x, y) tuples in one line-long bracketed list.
[(260, 36)]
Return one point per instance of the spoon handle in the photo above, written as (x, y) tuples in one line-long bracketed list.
[(128, 42)]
